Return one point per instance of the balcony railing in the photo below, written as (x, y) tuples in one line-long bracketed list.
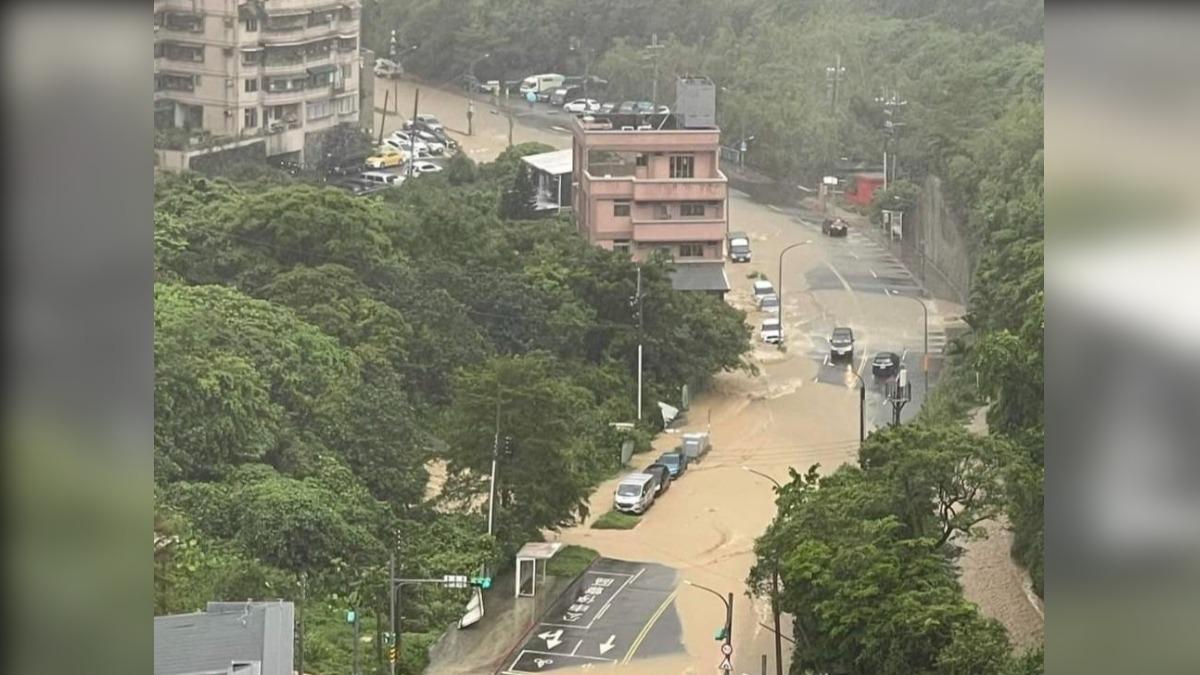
[(678, 230), (680, 189)]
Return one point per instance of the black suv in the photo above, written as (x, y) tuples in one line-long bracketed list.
[(841, 344), (664, 476), (834, 227)]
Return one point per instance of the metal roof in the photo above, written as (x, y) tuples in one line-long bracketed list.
[(554, 163), (700, 276), (209, 641)]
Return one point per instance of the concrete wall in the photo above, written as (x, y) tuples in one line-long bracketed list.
[(934, 246)]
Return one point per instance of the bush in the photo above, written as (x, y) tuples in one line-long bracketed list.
[(615, 520), (571, 561)]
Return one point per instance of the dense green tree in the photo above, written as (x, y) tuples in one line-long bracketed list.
[(239, 380)]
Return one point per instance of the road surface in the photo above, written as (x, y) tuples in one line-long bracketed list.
[(616, 612)]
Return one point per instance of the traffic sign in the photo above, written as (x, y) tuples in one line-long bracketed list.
[(725, 665), (726, 649)]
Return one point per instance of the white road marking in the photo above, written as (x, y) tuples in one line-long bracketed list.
[(577, 648), (607, 604), (873, 272), (774, 208)]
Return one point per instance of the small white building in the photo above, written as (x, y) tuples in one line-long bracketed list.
[(551, 173)]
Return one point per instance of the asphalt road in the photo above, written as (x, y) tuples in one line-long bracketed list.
[(616, 612)]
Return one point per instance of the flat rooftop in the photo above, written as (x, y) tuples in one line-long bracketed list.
[(619, 122)]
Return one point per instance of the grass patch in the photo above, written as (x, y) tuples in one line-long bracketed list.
[(570, 561), (615, 520), (756, 275)]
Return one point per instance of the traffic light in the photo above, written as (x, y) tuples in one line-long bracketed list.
[(350, 616), (481, 582), (391, 654), (721, 633)]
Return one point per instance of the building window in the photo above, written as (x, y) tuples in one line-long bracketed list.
[(691, 250), (621, 209), (347, 72), (250, 118), (345, 105), (662, 212), (251, 58), (683, 166), (641, 159), (665, 251), (317, 109), (250, 85), (251, 24), (693, 209), (621, 246)]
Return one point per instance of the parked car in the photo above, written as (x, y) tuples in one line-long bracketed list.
[(626, 107), (347, 166), (663, 473), (635, 493), (762, 287), (382, 178), (386, 158), (437, 146), (663, 110), (565, 93), (771, 331), (388, 68), (406, 147), (427, 122), (676, 461), (423, 167), (841, 344), (643, 107), (606, 108), (359, 187), (582, 105), (885, 364), (696, 445), (769, 303), (834, 227), (739, 247)]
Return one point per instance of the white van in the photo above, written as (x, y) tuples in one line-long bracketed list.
[(762, 287), (541, 85), (382, 178), (635, 493), (771, 331), (388, 68)]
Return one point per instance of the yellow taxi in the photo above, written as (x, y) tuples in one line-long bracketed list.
[(385, 158)]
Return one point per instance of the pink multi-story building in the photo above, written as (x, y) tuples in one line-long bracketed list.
[(646, 183)]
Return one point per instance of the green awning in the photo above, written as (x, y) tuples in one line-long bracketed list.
[(321, 70)]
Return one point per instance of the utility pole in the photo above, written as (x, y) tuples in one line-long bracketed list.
[(726, 632), (382, 119), (636, 301), (901, 393), (654, 48), (833, 77), (495, 453), (412, 145), (890, 104), (392, 603), (300, 633), (862, 408), (395, 57)]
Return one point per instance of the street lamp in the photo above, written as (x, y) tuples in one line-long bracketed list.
[(779, 282), (925, 357), (774, 582), (727, 632), (862, 405)]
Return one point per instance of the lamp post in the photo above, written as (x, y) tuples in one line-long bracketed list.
[(862, 406), (471, 93), (925, 356), (774, 582), (728, 630), (779, 282)]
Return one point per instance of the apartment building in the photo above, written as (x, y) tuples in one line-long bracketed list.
[(275, 72), (647, 183)]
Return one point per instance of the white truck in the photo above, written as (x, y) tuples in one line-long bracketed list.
[(541, 85)]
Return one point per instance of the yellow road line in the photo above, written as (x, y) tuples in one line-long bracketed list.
[(646, 629)]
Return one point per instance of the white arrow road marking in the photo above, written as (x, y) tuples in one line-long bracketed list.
[(552, 638), (542, 663), (607, 645)]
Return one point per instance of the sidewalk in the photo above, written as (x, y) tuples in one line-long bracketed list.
[(482, 648)]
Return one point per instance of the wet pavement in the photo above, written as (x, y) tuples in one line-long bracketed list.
[(617, 611)]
